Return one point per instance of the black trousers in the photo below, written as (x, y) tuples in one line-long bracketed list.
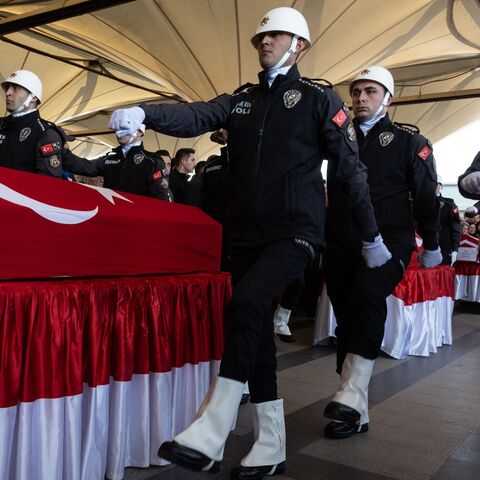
[(258, 274), (358, 295), (291, 295)]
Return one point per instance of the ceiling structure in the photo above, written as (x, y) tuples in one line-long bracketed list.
[(121, 53)]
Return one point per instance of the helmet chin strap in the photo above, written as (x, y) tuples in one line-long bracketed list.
[(24, 105), (383, 105), (291, 50)]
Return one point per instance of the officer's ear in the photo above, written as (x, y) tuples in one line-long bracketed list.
[(301, 44), (34, 102)]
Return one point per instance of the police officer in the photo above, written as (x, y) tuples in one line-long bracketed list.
[(128, 167), (27, 142), (279, 131), (402, 182), (450, 226), (184, 191), (469, 182)]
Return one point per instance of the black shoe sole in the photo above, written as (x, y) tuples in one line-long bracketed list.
[(256, 473), (341, 430), (286, 338)]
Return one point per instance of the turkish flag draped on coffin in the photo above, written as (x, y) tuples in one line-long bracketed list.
[(55, 228)]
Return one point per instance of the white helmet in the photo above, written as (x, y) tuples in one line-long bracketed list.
[(377, 74), (27, 80), (283, 19)]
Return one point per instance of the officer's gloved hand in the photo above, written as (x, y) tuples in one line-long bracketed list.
[(375, 253), (126, 121), (430, 258), (453, 257), (471, 183)]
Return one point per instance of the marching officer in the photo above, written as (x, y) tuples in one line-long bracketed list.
[(279, 131), (28, 142), (402, 181)]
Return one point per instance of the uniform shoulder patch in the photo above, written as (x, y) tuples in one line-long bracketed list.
[(50, 148), (245, 88), (407, 127), (340, 117), (424, 152)]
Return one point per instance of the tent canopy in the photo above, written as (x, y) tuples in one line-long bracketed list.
[(187, 50)]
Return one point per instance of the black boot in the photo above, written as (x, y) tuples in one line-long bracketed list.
[(344, 429), (200, 446), (187, 457), (342, 413), (256, 473)]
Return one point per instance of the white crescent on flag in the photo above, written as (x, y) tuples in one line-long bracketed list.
[(50, 212)]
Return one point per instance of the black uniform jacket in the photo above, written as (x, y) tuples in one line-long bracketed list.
[(139, 171), (31, 144), (450, 225), (213, 192), (474, 167), (277, 139), (402, 181), (185, 190)]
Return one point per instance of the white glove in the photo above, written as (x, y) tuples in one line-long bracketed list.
[(375, 253), (453, 256), (471, 183), (126, 121), (430, 258)]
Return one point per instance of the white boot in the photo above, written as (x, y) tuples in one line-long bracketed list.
[(280, 324), (200, 446), (350, 402), (268, 454)]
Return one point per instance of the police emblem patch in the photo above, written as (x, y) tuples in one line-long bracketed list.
[(164, 182), (54, 161), (385, 138), (24, 134), (138, 158), (291, 98), (352, 136)]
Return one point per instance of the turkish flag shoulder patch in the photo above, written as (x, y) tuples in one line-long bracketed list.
[(340, 117), (46, 149), (157, 175), (424, 152)]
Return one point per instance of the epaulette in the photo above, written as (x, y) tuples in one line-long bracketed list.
[(407, 127), (319, 81), (311, 83), (245, 88), (150, 156)]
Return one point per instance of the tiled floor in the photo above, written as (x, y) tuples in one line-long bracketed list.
[(424, 415)]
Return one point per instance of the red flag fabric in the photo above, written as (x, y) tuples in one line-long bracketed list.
[(56, 228)]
